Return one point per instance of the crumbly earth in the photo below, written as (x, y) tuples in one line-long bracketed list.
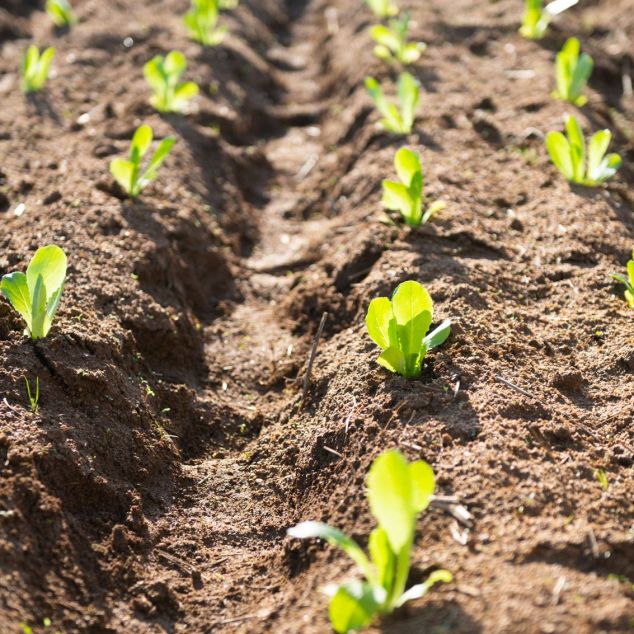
[(172, 448)]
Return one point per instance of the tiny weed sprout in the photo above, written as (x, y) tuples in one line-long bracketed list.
[(202, 23), (382, 8), (628, 281), (568, 153), (61, 13), (391, 42), (397, 492), (397, 119), (162, 74), (572, 73), (35, 67), (407, 196), (34, 397), (127, 172), (399, 327), (36, 295)]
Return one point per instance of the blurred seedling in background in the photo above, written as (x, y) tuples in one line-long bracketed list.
[(163, 74), (227, 5), (398, 119), (61, 13), (35, 68), (202, 23), (589, 167), (602, 479), (34, 397), (407, 196), (572, 73), (391, 42), (36, 294), (382, 8), (399, 327), (127, 172), (628, 281), (398, 491), (536, 17)]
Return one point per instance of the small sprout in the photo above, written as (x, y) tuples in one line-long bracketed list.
[(397, 492), (399, 121), (399, 327), (392, 44), (127, 172), (628, 281), (36, 295), (407, 196), (226, 5), (382, 8), (162, 74), (61, 13), (601, 478), (202, 22), (572, 73), (569, 155), (34, 399), (35, 67), (537, 17)]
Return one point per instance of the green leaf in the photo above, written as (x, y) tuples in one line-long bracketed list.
[(408, 93), (141, 142), (412, 52), (559, 151), (391, 498), (384, 36), (438, 336), (396, 197), (577, 148), (392, 359), (353, 606), (38, 308), (407, 165), (380, 323), (334, 537), (433, 209), (382, 8), (630, 271), (423, 485), (153, 73), (123, 172), (174, 65), (420, 590), (15, 288), (580, 75), (382, 558), (50, 263), (412, 307), (163, 150), (184, 93)]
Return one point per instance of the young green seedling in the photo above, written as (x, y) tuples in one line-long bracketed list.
[(34, 399), (392, 44), (628, 281), (202, 22), (162, 74), (399, 327), (537, 17), (61, 13), (34, 68), (572, 73), (398, 119), (407, 196), (382, 8), (569, 155), (127, 172), (397, 492), (36, 295)]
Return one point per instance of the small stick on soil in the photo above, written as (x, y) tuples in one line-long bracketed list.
[(559, 586), (333, 451), (517, 388), (411, 445), (451, 505), (311, 358), (594, 547), (349, 416)]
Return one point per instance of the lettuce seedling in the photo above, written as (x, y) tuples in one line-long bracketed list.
[(36, 295), (61, 13), (628, 281), (202, 22), (407, 196), (398, 119), (127, 172), (35, 67), (569, 155), (537, 17), (382, 8), (399, 327), (572, 73), (397, 492), (162, 74), (392, 44)]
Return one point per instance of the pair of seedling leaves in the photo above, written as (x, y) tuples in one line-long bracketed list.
[(392, 44), (584, 166), (572, 72), (61, 13), (397, 492), (128, 173), (35, 68), (202, 22), (36, 294), (163, 74), (399, 327), (382, 8), (407, 196), (398, 119)]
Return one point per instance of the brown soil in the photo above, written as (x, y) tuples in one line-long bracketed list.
[(152, 490)]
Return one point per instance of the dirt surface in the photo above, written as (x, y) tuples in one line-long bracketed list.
[(152, 490)]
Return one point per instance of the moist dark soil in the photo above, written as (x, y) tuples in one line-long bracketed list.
[(172, 448)]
